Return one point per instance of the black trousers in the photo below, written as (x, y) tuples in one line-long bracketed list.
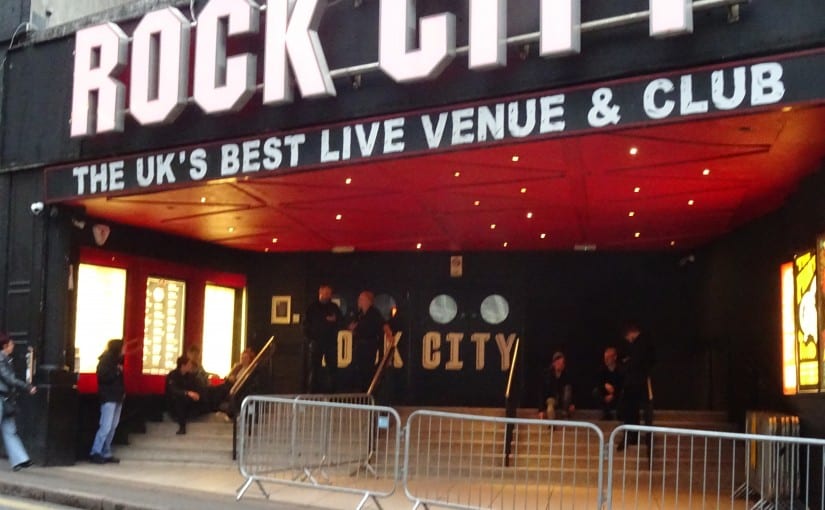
[(323, 379)]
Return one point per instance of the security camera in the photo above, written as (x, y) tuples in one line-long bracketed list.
[(37, 208)]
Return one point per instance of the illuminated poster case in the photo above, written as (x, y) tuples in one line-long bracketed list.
[(807, 328), (163, 325), (820, 265)]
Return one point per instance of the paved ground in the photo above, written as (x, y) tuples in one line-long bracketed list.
[(134, 485)]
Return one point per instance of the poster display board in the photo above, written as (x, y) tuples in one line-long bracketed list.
[(163, 325)]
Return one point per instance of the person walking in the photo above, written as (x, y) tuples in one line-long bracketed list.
[(9, 384), (111, 390)]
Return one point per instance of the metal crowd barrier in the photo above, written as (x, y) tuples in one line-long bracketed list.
[(656, 467), (782, 463), (459, 461), (335, 442)]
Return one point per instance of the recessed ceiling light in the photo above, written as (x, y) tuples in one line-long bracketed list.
[(787, 109), (637, 189), (203, 200), (338, 217), (274, 240), (631, 213), (515, 158), (266, 250), (492, 226), (633, 151), (543, 236), (673, 243), (523, 190), (231, 229), (418, 246), (637, 234), (505, 244), (529, 215), (706, 171), (477, 202), (348, 180), (690, 202), (457, 174)]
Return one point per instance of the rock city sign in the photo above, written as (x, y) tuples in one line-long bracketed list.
[(158, 51)]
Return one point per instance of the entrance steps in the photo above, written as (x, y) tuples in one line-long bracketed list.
[(209, 438), (208, 442)]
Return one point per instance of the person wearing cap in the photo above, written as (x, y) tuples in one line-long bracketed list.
[(557, 392)]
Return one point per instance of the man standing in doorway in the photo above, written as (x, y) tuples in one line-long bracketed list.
[(321, 324), (637, 394), (368, 331)]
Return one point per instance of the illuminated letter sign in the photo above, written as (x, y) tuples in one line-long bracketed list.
[(397, 35), (160, 71), (224, 83), (100, 52), (409, 49), (292, 34)]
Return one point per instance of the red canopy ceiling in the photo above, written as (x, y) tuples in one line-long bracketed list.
[(686, 184)]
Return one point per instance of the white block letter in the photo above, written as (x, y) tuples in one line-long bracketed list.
[(292, 34), (397, 36), (100, 52), (671, 17), (160, 67), (560, 27), (488, 33), (224, 83)]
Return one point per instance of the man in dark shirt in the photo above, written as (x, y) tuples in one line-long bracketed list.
[(184, 395), (637, 393), (368, 331), (321, 324), (557, 394), (609, 384)]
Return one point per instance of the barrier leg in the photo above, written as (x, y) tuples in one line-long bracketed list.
[(366, 498)]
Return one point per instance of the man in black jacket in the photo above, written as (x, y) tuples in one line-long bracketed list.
[(111, 390), (321, 324), (185, 397), (368, 331), (637, 357)]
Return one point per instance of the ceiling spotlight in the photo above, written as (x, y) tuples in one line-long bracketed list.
[(787, 109), (529, 215), (477, 203), (637, 189), (706, 171), (348, 180), (673, 243), (418, 246), (631, 213), (505, 244), (203, 200), (457, 174), (633, 151), (515, 158), (690, 202), (543, 236), (492, 226), (523, 190), (231, 229), (637, 234), (266, 250), (338, 217), (274, 240)]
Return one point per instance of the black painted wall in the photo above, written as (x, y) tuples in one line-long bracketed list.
[(739, 305)]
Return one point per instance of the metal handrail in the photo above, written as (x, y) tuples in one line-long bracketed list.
[(245, 373), (512, 370), (379, 372)]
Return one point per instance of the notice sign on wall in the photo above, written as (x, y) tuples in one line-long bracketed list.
[(645, 100)]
